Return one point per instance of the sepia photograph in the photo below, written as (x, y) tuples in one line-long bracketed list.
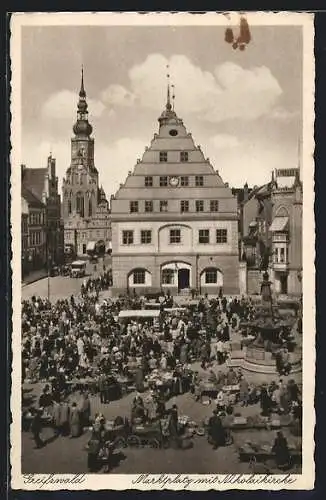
[(163, 246)]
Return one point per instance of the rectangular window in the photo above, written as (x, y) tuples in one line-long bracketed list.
[(163, 181), (163, 156), (203, 236), (167, 277), (221, 235), (211, 276), (214, 205), (184, 156), (163, 206), (184, 180), (282, 255), (199, 180), (145, 237), (133, 207), (127, 237), (199, 205), (139, 277), (148, 181), (184, 206), (175, 236), (148, 206)]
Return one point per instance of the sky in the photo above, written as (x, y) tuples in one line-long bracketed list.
[(243, 107)]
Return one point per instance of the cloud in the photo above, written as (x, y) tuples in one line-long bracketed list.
[(227, 92), (63, 105), (115, 160), (118, 95), (224, 141), (282, 114)]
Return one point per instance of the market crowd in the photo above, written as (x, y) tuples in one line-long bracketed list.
[(80, 344)]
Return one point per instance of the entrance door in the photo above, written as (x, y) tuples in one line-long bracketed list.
[(183, 278), (284, 284)]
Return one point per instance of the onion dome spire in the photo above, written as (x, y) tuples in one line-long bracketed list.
[(82, 127)]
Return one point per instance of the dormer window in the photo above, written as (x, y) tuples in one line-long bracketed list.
[(199, 180), (184, 156), (163, 156), (133, 207), (148, 181)]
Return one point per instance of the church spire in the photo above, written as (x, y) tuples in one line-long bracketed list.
[(82, 92), (82, 127)]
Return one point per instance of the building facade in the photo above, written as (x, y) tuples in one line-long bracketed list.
[(85, 209), (272, 234), (33, 232), (174, 220), (286, 232), (43, 183)]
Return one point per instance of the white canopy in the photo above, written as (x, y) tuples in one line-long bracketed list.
[(139, 313), (91, 246), (78, 263), (279, 224)]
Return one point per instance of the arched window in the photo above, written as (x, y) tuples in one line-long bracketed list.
[(69, 206), (211, 276), (80, 204), (282, 212), (140, 277), (90, 207)]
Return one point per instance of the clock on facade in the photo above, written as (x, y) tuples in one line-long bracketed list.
[(174, 181)]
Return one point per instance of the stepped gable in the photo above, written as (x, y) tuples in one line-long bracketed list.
[(173, 153)]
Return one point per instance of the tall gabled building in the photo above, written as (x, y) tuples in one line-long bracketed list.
[(43, 184), (174, 220), (85, 207)]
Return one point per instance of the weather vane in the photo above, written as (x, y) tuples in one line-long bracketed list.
[(244, 37)]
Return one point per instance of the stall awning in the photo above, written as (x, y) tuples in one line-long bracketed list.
[(279, 224), (139, 313), (91, 246)]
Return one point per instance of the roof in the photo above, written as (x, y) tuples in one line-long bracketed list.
[(33, 179), (31, 199), (279, 224)]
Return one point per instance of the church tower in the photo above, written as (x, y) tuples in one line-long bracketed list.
[(80, 186)]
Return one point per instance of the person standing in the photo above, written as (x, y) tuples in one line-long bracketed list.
[(215, 430), (281, 450), (64, 418), (219, 352), (56, 417), (173, 426), (244, 391), (75, 428), (265, 402), (101, 386), (36, 428), (85, 411)]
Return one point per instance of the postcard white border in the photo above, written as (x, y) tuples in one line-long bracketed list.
[(119, 481)]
